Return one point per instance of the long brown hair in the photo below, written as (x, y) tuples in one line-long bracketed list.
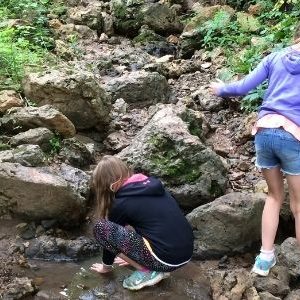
[(109, 175)]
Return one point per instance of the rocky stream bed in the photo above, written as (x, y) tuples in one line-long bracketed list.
[(147, 101)]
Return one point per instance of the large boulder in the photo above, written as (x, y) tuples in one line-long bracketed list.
[(277, 283), (37, 136), (90, 15), (76, 153), (127, 16), (43, 193), (26, 155), (220, 225), (289, 255), (9, 99), (24, 118), (76, 93), (130, 15), (139, 88), (161, 18), (170, 147)]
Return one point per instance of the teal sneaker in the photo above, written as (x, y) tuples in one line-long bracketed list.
[(138, 279), (262, 267)]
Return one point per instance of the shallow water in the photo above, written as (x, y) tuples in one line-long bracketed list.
[(76, 281)]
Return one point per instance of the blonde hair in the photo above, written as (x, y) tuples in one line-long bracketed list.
[(110, 171)]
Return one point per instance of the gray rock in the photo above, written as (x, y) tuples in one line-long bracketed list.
[(208, 102), (231, 285), (67, 31), (43, 193), (220, 225), (24, 118), (76, 93), (269, 296), (89, 15), (127, 16), (27, 230), (289, 255), (161, 18), (18, 288), (169, 147), (26, 155), (76, 153), (277, 283), (37, 136), (9, 99), (130, 15), (294, 295), (51, 248), (139, 88)]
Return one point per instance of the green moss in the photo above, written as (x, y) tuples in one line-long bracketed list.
[(147, 36), (4, 146), (172, 163)]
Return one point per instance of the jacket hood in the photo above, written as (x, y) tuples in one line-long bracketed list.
[(291, 61), (148, 187)]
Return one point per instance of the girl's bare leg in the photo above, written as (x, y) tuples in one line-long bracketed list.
[(294, 193), (270, 216), (131, 262)]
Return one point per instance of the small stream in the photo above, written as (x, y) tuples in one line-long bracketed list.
[(76, 281)]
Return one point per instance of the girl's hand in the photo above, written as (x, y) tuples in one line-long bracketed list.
[(121, 262), (100, 268), (215, 87)]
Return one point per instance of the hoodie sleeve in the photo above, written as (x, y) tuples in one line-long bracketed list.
[(249, 82), (118, 216)]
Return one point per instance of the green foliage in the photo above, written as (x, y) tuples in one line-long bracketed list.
[(25, 39), (15, 56), (252, 101), (246, 61), (222, 31), (245, 42), (55, 143)]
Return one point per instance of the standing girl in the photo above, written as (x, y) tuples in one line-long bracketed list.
[(277, 138), (162, 239)]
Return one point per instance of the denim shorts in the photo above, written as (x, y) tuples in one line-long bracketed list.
[(276, 147)]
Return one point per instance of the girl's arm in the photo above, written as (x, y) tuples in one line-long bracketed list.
[(243, 86)]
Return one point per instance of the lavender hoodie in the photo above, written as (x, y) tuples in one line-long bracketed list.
[(282, 69)]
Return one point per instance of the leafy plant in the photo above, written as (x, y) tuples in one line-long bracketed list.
[(15, 56), (252, 101), (222, 31), (24, 45), (246, 61), (55, 143)]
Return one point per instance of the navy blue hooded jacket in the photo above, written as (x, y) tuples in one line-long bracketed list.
[(156, 216)]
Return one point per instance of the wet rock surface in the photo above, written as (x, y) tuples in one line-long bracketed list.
[(58, 249)]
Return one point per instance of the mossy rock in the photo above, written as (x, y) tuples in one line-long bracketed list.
[(146, 36)]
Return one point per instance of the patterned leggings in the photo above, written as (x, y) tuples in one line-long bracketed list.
[(118, 239)]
